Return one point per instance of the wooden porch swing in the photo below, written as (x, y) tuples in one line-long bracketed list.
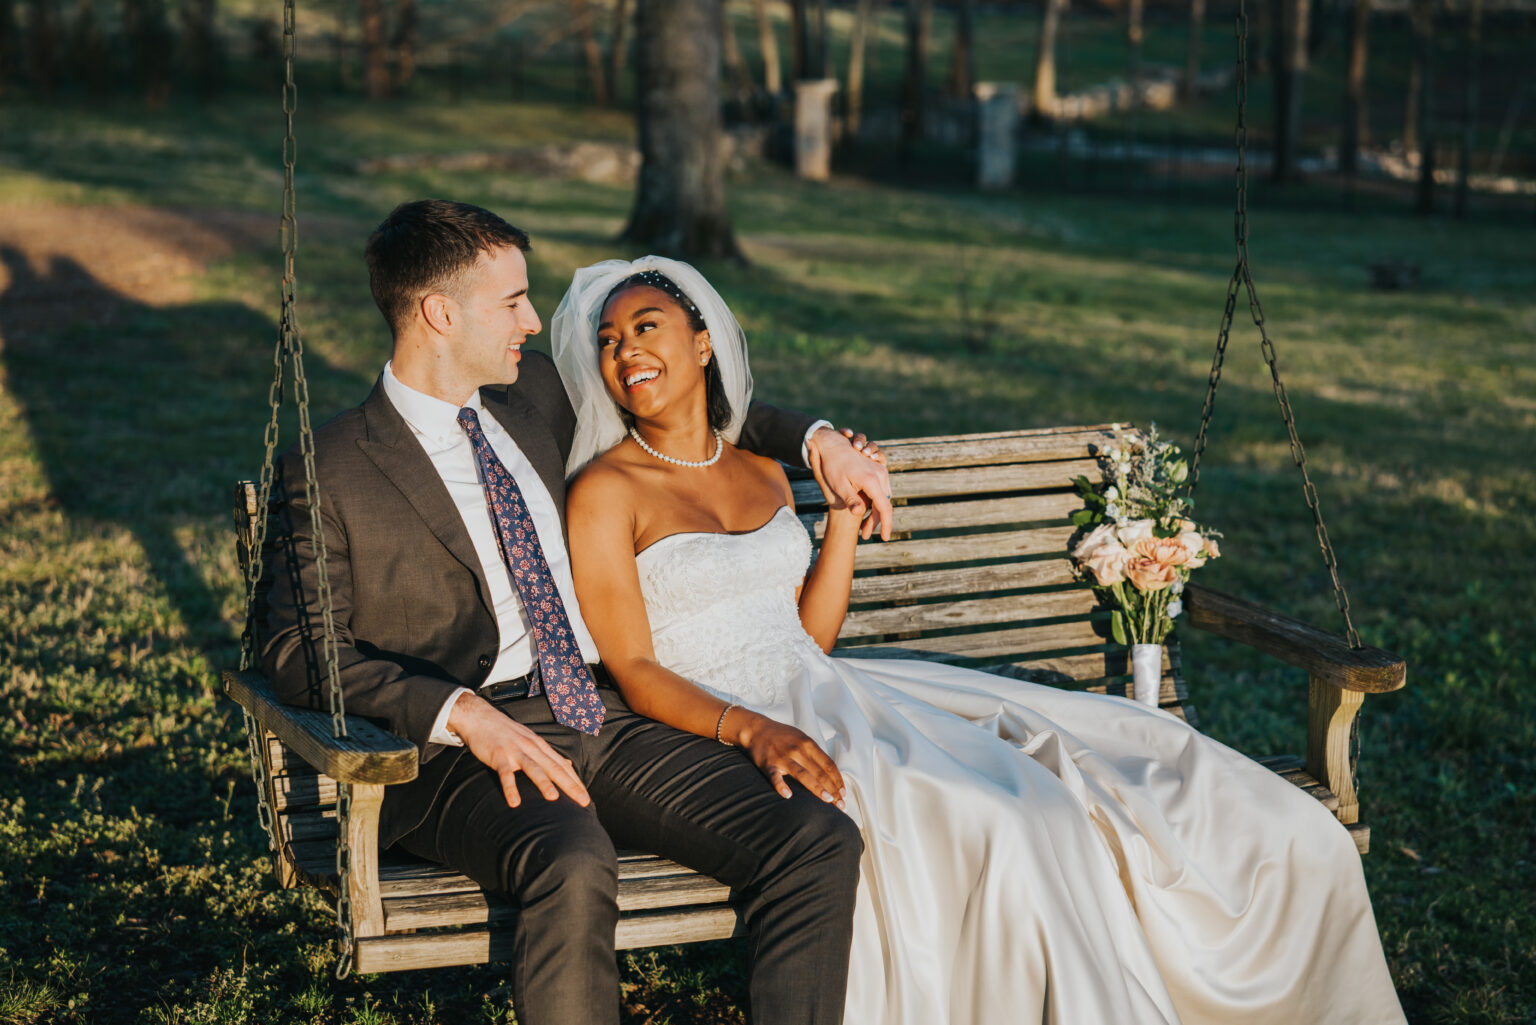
[(978, 575)]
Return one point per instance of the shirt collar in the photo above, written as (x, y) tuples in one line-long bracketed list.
[(427, 414)]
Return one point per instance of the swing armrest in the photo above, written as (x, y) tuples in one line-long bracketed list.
[(1326, 657), (367, 754)]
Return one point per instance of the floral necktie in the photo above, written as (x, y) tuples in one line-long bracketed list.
[(567, 682)]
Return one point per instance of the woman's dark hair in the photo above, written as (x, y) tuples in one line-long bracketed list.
[(427, 246), (716, 401)]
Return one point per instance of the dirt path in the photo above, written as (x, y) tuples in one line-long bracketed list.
[(52, 256)]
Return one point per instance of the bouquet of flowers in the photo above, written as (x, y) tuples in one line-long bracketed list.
[(1142, 545)]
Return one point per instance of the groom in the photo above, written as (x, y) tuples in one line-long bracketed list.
[(442, 498)]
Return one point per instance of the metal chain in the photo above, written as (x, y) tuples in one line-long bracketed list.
[(1241, 275), (290, 348)]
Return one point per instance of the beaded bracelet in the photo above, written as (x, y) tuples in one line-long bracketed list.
[(720, 723)]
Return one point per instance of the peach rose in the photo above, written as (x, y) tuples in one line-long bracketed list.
[(1135, 531), (1212, 549), (1147, 574), (1193, 543), (1104, 532), (1107, 563)]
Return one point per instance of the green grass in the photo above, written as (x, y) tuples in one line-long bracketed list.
[(134, 885)]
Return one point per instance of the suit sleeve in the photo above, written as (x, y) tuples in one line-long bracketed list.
[(776, 433), (292, 643)]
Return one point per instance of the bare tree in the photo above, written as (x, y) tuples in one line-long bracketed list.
[(618, 46), (1192, 48), (88, 47), (1423, 14), (1469, 106), (407, 34), (799, 41), (375, 54), (45, 46), (741, 78), (1044, 96), (914, 84), (768, 44), (680, 205), (1355, 109), (581, 17), (8, 45), (198, 21), (1290, 67), (856, 64), (962, 68)]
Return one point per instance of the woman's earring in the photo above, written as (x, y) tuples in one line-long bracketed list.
[(704, 362)]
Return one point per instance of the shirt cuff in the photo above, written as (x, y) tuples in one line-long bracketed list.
[(805, 455), (440, 732)]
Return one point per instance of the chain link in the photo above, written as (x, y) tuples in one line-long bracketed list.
[(1242, 277)]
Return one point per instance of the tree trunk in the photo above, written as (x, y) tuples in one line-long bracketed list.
[(1134, 36), (799, 41), (1423, 28), (8, 47), (45, 48), (1043, 101), (581, 17), (962, 70), (198, 19), (680, 205), (768, 44), (88, 48), (823, 54), (375, 54), (1291, 17), (914, 85), (1469, 106), (407, 32), (1192, 48), (1354, 89), (856, 64), (618, 47), (741, 78)]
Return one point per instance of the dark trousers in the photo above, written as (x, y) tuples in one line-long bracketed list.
[(793, 862)]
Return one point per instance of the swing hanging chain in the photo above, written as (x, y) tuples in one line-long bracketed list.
[(1243, 278), (290, 347)]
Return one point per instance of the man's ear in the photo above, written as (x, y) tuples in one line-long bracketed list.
[(705, 347), (439, 312)]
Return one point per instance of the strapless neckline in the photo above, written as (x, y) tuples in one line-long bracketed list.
[(719, 533)]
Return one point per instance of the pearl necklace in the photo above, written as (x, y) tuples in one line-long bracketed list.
[(700, 463)]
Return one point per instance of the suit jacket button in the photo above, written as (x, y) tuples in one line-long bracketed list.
[(485, 661)]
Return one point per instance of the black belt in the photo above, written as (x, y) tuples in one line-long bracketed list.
[(509, 689), (518, 688)]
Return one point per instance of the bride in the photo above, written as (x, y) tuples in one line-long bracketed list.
[(1031, 854)]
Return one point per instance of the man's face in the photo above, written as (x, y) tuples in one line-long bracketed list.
[(494, 318)]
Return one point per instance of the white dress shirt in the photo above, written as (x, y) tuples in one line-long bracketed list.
[(435, 424)]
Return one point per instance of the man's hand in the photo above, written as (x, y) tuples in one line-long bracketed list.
[(852, 467), (508, 747)]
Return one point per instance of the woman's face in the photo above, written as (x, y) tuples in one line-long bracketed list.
[(649, 353)]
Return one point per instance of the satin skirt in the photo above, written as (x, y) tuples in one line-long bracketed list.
[(1034, 855)]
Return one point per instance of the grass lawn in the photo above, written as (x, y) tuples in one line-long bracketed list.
[(137, 310)]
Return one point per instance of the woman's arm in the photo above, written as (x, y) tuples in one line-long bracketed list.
[(600, 519), (824, 595)]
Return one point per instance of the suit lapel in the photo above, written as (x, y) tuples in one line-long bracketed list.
[(528, 428), (400, 458)]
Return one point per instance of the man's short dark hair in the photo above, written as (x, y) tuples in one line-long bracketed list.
[(426, 246)]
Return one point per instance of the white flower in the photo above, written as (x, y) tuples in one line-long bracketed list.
[(1113, 511), (1112, 493), (1177, 588), (1174, 608)]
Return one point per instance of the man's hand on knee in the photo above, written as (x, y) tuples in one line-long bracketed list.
[(508, 747)]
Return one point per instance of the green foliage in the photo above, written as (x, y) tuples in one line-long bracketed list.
[(134, 882)]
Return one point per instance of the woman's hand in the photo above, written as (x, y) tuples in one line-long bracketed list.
[(780, 750), (838, 507)]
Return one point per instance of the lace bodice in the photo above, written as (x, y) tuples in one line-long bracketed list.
[(722, 607)]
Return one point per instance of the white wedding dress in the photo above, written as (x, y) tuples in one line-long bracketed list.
[(1031, 854)]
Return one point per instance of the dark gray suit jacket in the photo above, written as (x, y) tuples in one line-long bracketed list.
[(409, 599)]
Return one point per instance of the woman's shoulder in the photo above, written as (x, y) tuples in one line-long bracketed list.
[(607, 480), (770, 470)]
